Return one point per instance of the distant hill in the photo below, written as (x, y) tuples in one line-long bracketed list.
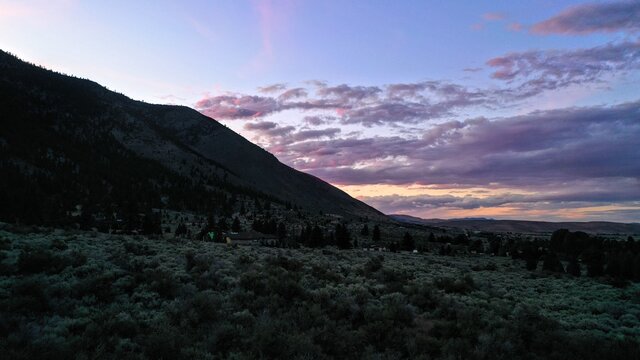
[(67, 141), (523, 226)]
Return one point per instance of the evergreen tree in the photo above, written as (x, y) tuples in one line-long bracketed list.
[(613, 265), (408, 243), (595, 262), (626, 269), (235, 226), (181, 230), (431, 238), (636, 267), (222, 224), (282, 231), (316, 239), (574, 266), (151, 224), (557, 242), (342, 237), (376, 234), (365, 230), (530, 255), (552, 263)]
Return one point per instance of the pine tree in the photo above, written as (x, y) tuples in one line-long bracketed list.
[(613, 265), (342, 237), (595, 262), (235, 226), (365, 230), (376, 234), (316, 239), (181, 230), (574, 267), (407, 242), (222, 224), (282, 231), (552, 263)]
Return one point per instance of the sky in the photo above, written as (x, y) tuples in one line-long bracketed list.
[(498, 109)]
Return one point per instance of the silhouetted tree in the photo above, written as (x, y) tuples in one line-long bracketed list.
[(222, 224), (235, 226), (574, 266), (316, 239), (552, 263), (376, 234), (407, 242), (282, 231), (151, 223), (365, 230), (557, 243), (613, 265), (181, 230), (530, 256), (595, 262), (342, 237)]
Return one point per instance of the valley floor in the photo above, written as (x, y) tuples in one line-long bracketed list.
[(72, 294)]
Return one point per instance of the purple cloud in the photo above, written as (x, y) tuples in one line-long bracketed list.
[(590, 18), (274, 88), (237, 106), (538, 149), (576, 197), (493, 16), (521, 75), (260, 126), (292, 94), (554, 69)]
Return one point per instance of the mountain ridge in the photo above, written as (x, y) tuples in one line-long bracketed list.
[(55, 123), (523, 225)]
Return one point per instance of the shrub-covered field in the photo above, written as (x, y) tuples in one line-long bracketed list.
[(70, 294)]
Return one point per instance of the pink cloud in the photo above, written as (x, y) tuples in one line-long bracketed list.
[(493, 16), (589, 18)]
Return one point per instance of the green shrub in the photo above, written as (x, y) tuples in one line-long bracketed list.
[(460, 285), (32, 261), (372, 265)]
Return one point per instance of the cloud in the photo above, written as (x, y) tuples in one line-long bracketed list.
[(542, 149), (316, 120), (566, 200), (269, 130), (304, 135), (277, 135), (366, 105), (273, 88), (237, 106), (515, 26), (493, 16), (260, 126), (555, 69), (590, 18), (519, 76), (292, 94), (346, 94)]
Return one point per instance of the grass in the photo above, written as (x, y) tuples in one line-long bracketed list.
[(66, 294)]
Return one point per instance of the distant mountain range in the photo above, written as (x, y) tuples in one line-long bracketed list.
[(523, 226), (65, 140)]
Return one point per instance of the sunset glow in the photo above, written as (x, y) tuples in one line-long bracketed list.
[(433, 109)]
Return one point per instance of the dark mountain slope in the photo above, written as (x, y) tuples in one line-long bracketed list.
[(523, 226), (67, 141)]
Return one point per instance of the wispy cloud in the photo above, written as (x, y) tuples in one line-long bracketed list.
[(554, 69), (590, 18), (543, 148)]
